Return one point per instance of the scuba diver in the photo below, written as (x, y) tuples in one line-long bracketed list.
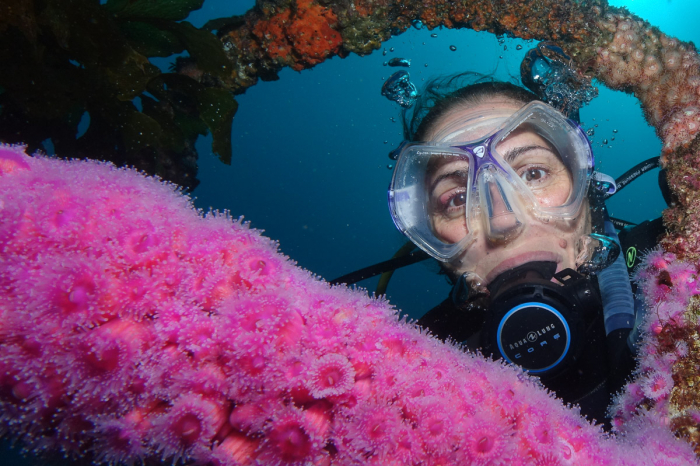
[(497, 187), (500, 188)]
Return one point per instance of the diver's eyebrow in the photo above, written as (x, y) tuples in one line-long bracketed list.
[(451, 174), (516, 152)]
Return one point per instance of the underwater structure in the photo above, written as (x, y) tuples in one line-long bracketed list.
[(133, 327)]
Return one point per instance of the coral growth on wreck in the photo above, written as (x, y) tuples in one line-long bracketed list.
[(664, 386), (663, 72), (133, 327), (307, 33)]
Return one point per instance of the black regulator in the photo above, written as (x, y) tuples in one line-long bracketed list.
[(538, 318)]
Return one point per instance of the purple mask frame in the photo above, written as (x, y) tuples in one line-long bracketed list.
[(481, 159)]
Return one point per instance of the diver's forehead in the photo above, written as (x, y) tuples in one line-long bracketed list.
[(467, 123)]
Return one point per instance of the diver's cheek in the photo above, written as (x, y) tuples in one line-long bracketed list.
[(450, 232), (554, 195)]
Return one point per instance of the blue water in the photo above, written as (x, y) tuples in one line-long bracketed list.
[(310, 150)]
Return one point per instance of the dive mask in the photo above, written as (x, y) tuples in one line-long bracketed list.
[(494, 175)]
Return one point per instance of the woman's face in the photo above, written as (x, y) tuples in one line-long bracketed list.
[(502, 240)]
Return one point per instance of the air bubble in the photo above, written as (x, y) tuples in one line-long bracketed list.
[(605, 141), (549, 69), (390, 166), (453, 48), (391, 49), (400, 89), (400, 62), (518, 47), (418, 24), (590, 132), (433, 35)]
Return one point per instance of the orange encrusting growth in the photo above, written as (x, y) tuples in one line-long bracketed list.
[(305, 32)]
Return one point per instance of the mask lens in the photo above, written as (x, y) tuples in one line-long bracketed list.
[(428, 197), (539, 161), (447, 180)]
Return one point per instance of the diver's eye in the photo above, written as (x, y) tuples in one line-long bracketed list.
[(458, 200), (453, 201), (533, 175)]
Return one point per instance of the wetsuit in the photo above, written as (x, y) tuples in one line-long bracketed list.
[(605, 363), (638, 240)]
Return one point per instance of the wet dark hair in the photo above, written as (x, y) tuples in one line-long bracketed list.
[(442, 94)]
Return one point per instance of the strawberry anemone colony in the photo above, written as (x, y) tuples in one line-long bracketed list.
[(134, 327)]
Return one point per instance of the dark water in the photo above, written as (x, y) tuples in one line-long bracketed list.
[(310, 150)]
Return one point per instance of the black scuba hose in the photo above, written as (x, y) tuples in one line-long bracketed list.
[(625, 179), (634, 173), (620, 224), (402, 258)]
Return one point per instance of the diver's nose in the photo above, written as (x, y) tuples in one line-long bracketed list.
[(501, 215)]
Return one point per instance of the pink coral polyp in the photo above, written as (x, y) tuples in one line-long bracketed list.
[(12, 159), (190, 425), (375, 429), (330, 375), (291, 440), (114, 344), (657, 385), (486, 439), (260, 267)]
